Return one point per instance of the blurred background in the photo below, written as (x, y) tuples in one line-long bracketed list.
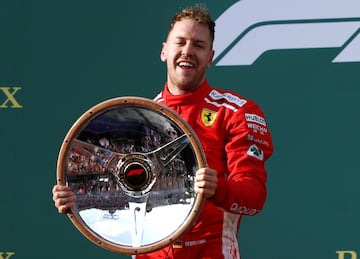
[(299, 60)]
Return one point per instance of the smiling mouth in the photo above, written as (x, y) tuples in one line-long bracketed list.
[(185, 64)]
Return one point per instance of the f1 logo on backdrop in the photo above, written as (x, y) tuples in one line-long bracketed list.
[(249, 28)]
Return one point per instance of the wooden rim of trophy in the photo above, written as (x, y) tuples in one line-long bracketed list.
[(77, 128)]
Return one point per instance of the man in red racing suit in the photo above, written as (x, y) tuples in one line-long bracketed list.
[(233, 133), (236, 141)]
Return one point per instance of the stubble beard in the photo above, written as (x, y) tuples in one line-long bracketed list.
[(184, 83)]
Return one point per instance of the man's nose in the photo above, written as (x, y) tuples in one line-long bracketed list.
[(187, 49)]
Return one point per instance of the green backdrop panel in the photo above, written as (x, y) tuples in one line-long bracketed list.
[(63, 57)]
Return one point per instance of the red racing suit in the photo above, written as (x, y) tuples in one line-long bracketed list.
[(237, 142)]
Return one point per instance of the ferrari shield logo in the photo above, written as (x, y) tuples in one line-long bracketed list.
[(208, 117)]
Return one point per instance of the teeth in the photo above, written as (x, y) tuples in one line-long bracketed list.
[(185, 64)]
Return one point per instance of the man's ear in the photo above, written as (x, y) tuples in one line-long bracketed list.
[(163, 54), (210, 61)]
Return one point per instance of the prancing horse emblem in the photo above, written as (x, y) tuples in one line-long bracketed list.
[(208, 117)]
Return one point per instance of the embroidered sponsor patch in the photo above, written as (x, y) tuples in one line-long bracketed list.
[(228, 97), (255, 118), (254, 151), (257, 140), (208, 117), (178, 244), (256, 128), (243, 209)]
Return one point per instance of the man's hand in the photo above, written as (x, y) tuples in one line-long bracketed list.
[(63, 197), (206, 182)]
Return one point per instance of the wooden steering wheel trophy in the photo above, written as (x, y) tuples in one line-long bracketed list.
[(131, 163)]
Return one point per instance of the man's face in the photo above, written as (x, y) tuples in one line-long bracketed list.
[(188, 53)]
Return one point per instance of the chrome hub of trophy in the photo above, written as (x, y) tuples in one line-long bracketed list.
[(131, 163), (135, 174)]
